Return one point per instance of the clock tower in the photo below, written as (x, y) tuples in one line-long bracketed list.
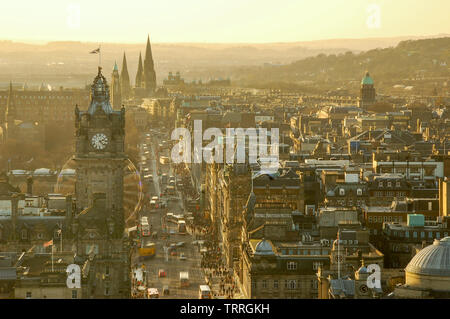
[(99, 154), (98, 225)]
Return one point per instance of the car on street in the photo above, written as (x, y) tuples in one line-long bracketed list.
[(182, 256), (180, 244), (162, 273), (173, 253)]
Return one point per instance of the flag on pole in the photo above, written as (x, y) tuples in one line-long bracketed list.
[(95, 51), (49, 243)]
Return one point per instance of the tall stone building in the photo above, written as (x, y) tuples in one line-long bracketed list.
[(14, 128), (125, 80), (10, 114), (116, 97), (367, 92), (227, 190), (149, 77), (98, 226)]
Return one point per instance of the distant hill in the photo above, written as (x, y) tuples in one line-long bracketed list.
[(409, 59), (69, 64)]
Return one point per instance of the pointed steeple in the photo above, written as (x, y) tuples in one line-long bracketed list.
[(116, 92), (149, 69), (148, 61), (139, 73), (125, 79), (10, 112)]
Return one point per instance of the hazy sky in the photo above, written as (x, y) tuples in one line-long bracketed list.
[(219, 20)]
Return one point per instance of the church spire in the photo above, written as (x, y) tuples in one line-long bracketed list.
[(139, 73), (149, 69), (125, 79), (116, 91), (10, 112)]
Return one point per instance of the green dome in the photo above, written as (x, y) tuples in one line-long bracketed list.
[(367, 80)]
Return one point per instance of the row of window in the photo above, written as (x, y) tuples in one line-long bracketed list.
[(305, 252), (292, 265), (29, 294), (349, 202), (416, 234), (288, 284), (389, 194), (402, 170), (40, 97), (385, 219), (24, 234), (389, 184), (359, 192)]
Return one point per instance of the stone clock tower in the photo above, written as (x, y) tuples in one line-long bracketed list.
[(100, 157), (99, 223)]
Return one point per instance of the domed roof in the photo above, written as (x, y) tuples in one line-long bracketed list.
[(264, 248), (433, 260), (362, 269), (367, 79)]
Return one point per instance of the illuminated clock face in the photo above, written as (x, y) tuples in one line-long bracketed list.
[(99, 141)]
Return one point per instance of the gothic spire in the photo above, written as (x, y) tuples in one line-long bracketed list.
[(149, 69), (10, 113), (116, 91), (140, 72), (148, 61), (125, 79)]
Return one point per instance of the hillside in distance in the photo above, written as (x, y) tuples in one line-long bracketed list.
[(411, 59), (69, 63)]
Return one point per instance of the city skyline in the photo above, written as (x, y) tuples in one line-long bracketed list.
[(249, 22)]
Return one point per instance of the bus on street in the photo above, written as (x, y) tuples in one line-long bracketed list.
[(146, 249)]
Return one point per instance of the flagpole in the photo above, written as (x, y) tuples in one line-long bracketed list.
[(339, 259), (100, 55), (52, 255)]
